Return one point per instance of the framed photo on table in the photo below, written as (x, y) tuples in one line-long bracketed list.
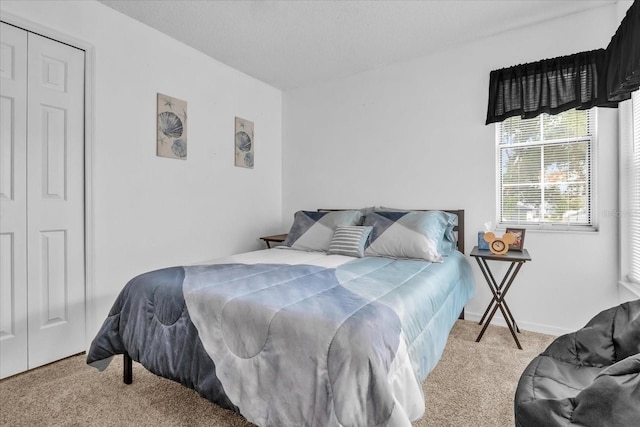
[(519, 243)]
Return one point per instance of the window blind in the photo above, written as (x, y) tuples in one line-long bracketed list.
[(545, 170), (633, 213)]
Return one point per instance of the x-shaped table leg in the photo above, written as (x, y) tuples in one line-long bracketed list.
[(498, 301)]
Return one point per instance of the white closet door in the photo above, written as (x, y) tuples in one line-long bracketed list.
[(55, 191), (42, 298), (13, 200)]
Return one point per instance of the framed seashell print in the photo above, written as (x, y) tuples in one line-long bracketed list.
[(172, 127), (244, 143)]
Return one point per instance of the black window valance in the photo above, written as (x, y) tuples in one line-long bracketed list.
[(623, 56), (597, 78), (548, 86)]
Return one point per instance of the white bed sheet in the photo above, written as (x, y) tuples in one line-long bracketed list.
[(283, 255)]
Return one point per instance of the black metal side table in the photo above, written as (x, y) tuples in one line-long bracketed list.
[(499, 292)]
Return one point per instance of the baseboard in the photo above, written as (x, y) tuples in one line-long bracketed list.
[(527, 326)]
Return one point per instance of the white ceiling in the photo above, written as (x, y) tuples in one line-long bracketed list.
[(289, 44)]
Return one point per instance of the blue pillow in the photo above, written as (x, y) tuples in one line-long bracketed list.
[(313, 231), (449, 243), (413, 234), (349, 240)]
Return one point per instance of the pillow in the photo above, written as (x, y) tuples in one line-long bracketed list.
[(364, 211), (449, 243), (367, 210), (313, 231), (413, 234), (349, 240)]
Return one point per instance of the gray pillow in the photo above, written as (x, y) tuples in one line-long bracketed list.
[(413, 234), (349, 240), (313, 231)]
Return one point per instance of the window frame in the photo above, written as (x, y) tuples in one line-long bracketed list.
[(627, 125), (553, 226)]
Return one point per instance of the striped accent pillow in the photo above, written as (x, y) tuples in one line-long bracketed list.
[(349, 240)]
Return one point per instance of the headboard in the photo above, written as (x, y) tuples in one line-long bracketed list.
[(458, 228)]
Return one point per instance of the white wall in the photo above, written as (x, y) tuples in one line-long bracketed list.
[(407, 135), (152, 212), (412, 135)]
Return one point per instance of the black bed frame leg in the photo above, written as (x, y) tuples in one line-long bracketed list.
[(127, 375), (461, 315)]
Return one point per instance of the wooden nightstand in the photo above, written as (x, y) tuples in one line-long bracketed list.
[(276, 238), (517, 259)]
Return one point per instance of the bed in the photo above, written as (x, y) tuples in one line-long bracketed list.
[(340, 326)]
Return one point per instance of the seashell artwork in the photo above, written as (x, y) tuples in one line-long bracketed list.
[(244, 143), (179, 148), (248, 160), (172, 127), (170, 124)]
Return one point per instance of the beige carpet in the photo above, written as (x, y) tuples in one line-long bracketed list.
[(472, 385)]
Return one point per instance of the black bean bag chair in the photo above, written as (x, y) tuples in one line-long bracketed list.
[(590, 377)]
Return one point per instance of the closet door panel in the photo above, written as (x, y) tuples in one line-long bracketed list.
[(55, 200), (13, 200)]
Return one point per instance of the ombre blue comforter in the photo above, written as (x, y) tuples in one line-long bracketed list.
[(294, 345)]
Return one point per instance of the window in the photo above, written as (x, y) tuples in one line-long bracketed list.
[(545, 171), (630, 188)]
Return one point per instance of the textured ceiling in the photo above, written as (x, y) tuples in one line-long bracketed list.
[(289, 44)]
